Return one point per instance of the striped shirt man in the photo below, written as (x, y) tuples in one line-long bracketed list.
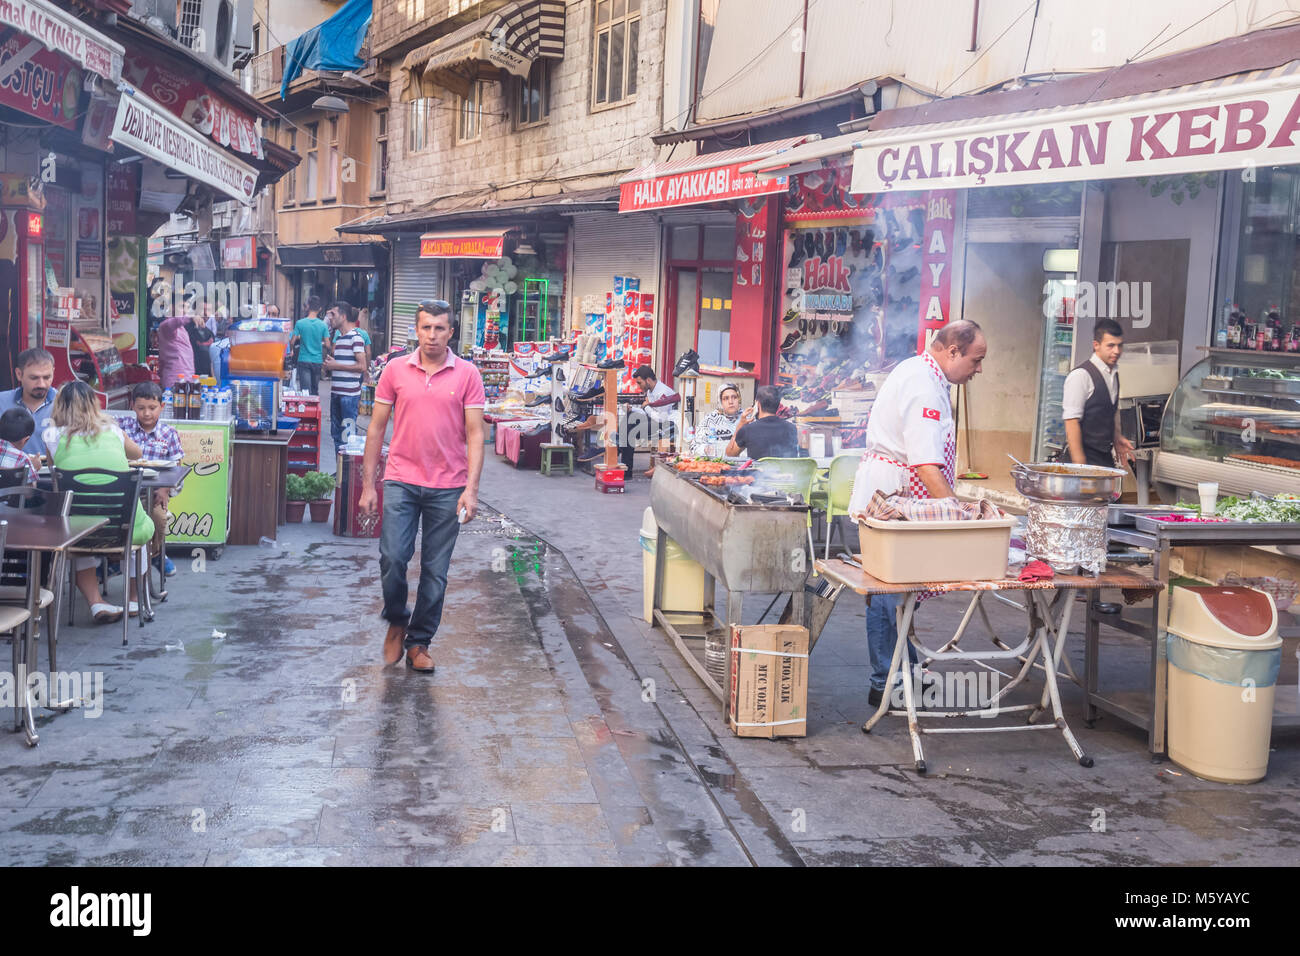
[(348, 347)]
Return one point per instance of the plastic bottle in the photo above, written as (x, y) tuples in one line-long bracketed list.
[(169, 404), (196, 399)]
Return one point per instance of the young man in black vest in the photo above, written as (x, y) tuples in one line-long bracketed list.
[(1091, 403)]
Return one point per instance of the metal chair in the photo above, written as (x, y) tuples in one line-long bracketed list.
[(99, 493), (13, 477), (12, 618), (13, 565)]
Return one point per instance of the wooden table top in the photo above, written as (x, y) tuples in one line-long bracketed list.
[(32, 531), (859, 581)]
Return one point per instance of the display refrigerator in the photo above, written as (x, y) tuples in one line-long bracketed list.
[(1057, 360), (199, 514)]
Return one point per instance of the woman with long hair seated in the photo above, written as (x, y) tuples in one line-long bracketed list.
[(88, 438)]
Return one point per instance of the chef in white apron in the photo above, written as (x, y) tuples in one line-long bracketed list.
[(912, 450)]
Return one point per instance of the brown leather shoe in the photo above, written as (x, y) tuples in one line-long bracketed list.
[(418, 659), (393, 643)]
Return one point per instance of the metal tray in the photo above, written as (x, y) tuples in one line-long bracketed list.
[(1119, 516), (1266, 386)]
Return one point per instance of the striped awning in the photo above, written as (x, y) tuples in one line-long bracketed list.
[(510, 39)]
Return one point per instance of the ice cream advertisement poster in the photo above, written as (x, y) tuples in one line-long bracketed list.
[(124, 256)]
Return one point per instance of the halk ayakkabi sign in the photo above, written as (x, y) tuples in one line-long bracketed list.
[(1227, 127)]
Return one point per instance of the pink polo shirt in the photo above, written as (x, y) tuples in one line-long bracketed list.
[(429, 445)]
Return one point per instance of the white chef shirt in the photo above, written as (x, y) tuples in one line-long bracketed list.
[(910, 425), (1078, 388)]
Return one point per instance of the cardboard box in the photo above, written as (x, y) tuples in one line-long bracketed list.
[(769, 681)]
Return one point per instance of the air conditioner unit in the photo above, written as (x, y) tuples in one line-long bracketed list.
[(207, 29)]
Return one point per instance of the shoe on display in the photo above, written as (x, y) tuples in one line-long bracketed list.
[(540, 373), (557, 357), (687, 361), (537, 400), (591, 394), (559, 376), (611, 363)]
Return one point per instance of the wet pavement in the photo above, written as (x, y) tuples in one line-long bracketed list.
[(253, 723)]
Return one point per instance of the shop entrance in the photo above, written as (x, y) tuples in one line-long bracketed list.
[(701, 270)]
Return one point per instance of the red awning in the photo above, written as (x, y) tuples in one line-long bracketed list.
[(710, 178), (463, 244)]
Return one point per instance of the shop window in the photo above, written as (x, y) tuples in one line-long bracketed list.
[(379, 170), (310, 172), (618, 35), (1267, 246), (533, 96), (332, 159), (719, 243), (684, 243), (469, 114), (418, 119)]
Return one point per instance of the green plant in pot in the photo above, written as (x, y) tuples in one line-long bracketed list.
[(319, 489), (295, 493)]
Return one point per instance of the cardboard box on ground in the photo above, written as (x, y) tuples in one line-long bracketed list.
[(769, 681)]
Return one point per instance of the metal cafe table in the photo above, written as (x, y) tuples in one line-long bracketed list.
[(1049, 603), (39, 534)]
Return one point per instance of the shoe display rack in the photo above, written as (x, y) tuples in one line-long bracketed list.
[(304, 446), (587, 411)]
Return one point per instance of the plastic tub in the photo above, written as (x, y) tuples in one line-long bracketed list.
[(907, 552)]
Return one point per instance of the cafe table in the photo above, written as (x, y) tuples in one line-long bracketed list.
[(39, 534)]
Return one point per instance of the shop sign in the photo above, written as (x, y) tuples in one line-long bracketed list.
[(462, 247), (239, 252), (145, 127), (61, 32), (37, 82), (185, 97), (90, 260), (936, 264), (824, 194), (1229, 128), (98, 125), (700, 186), (122, 197)]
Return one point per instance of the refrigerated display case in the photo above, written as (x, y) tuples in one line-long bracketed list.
[(1058, 359), (92, 358), (1235, 419)]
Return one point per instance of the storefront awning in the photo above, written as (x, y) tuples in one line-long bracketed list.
[(463, 244), (62, 32), (801, 159), (1221, 124), (700, 179), (510, 39), (150, 130)]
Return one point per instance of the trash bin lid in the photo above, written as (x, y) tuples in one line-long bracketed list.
[(1232, 617)]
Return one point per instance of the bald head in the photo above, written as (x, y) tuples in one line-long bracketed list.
[(959, 348)]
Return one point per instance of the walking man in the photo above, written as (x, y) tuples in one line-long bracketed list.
[(435, 459), (347, 363), (309, 336)]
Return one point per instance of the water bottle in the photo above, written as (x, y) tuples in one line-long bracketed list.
[(205, 411), (169, 404)]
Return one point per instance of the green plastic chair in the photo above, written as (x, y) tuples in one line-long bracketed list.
[(803, 476), (839, 489)]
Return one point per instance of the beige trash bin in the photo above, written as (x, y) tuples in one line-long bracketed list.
[(683, 576), (1224, 656)]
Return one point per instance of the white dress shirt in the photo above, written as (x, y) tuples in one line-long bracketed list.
[(1079, 388)]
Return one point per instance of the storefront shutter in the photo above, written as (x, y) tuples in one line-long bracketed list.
[(606, 244), (413, 279)]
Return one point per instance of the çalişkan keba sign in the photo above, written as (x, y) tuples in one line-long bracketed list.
[(1217, 129)]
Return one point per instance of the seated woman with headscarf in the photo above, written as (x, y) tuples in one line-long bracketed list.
[(713, 434)]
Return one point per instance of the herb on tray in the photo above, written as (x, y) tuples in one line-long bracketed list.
[(1254, 510)]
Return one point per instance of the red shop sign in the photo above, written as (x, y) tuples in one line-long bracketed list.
[(690, 188), (45, 85), (122, 199), (936, 264), (435, 246), (184, 96)]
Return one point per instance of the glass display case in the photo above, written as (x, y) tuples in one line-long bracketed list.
[(96, 361), (1058, 351), (1234, 419)]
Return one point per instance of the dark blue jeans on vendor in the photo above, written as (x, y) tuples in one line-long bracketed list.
[(882, 635), (433, 512)]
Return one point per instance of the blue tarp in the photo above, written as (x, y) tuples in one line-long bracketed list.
[(332, 45)]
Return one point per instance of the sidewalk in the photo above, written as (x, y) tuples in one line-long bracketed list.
[(539, 740)]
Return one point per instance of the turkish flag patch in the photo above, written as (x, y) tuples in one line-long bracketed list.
[(931, 413)]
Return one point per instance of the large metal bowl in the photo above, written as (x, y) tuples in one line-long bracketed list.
[(1073, 484)]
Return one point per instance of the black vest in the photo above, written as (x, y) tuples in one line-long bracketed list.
[(1099, 419)]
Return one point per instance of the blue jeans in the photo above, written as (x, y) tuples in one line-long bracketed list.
[(309, 376), (405, 507), (882, 635), (342, 408)]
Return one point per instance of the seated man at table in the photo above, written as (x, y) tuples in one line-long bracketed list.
[(158, 441), (16, 426), (767, 436)]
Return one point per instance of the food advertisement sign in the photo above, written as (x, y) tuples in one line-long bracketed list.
[(42, 84), (200, 513)]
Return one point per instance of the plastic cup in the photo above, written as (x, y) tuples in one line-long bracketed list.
[(1209, 492)]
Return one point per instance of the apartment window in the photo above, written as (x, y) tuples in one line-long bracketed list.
[(309, 161), (418, 123), (533, 99), (379, 172), (618, 35), (469, 116), (291, 177), (332, 158)]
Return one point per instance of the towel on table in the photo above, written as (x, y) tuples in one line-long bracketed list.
[(900, 508), (1037, 571)]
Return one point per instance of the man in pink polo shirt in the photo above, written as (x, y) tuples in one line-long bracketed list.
[(434, 463)]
